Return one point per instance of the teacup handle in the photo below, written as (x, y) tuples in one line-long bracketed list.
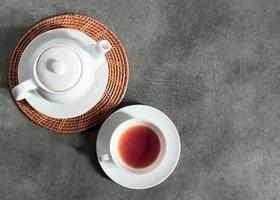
[(24, 90), (105, 157)]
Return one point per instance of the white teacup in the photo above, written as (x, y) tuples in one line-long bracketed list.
[(114, 154)]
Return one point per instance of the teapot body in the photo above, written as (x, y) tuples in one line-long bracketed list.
[(64, 70)]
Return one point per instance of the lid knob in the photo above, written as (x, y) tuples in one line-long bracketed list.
[(55, 66)]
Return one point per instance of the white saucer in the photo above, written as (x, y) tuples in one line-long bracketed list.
[(66, 110), (140, 181)]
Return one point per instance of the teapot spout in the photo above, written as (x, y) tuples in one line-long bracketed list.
[(97, 51), (104, 46)]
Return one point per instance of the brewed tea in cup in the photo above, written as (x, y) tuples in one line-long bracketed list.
[(136, 146)]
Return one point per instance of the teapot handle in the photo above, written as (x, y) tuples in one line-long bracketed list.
[(24, 90)]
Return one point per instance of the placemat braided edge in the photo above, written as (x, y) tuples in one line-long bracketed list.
[(118, 73)]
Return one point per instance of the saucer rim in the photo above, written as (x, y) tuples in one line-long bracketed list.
[(34, 100), (174, 165)]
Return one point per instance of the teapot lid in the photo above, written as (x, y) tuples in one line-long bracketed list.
[(59, 68)]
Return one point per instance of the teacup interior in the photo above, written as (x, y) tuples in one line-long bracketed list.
[(139, 146)]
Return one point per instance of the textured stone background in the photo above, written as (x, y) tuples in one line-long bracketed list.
[(212, 66)]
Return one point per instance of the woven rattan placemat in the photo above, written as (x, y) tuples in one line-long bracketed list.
[(118, 73)]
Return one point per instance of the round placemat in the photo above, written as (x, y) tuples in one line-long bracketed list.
[(118, 73)]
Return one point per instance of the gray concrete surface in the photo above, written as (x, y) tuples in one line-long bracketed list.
[(212, 66)]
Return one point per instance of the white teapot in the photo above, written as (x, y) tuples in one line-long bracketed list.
[(63, 71)]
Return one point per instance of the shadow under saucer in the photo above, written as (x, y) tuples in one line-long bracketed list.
[(88, 147)]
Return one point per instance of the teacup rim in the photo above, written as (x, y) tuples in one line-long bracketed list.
[(121, 164)]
